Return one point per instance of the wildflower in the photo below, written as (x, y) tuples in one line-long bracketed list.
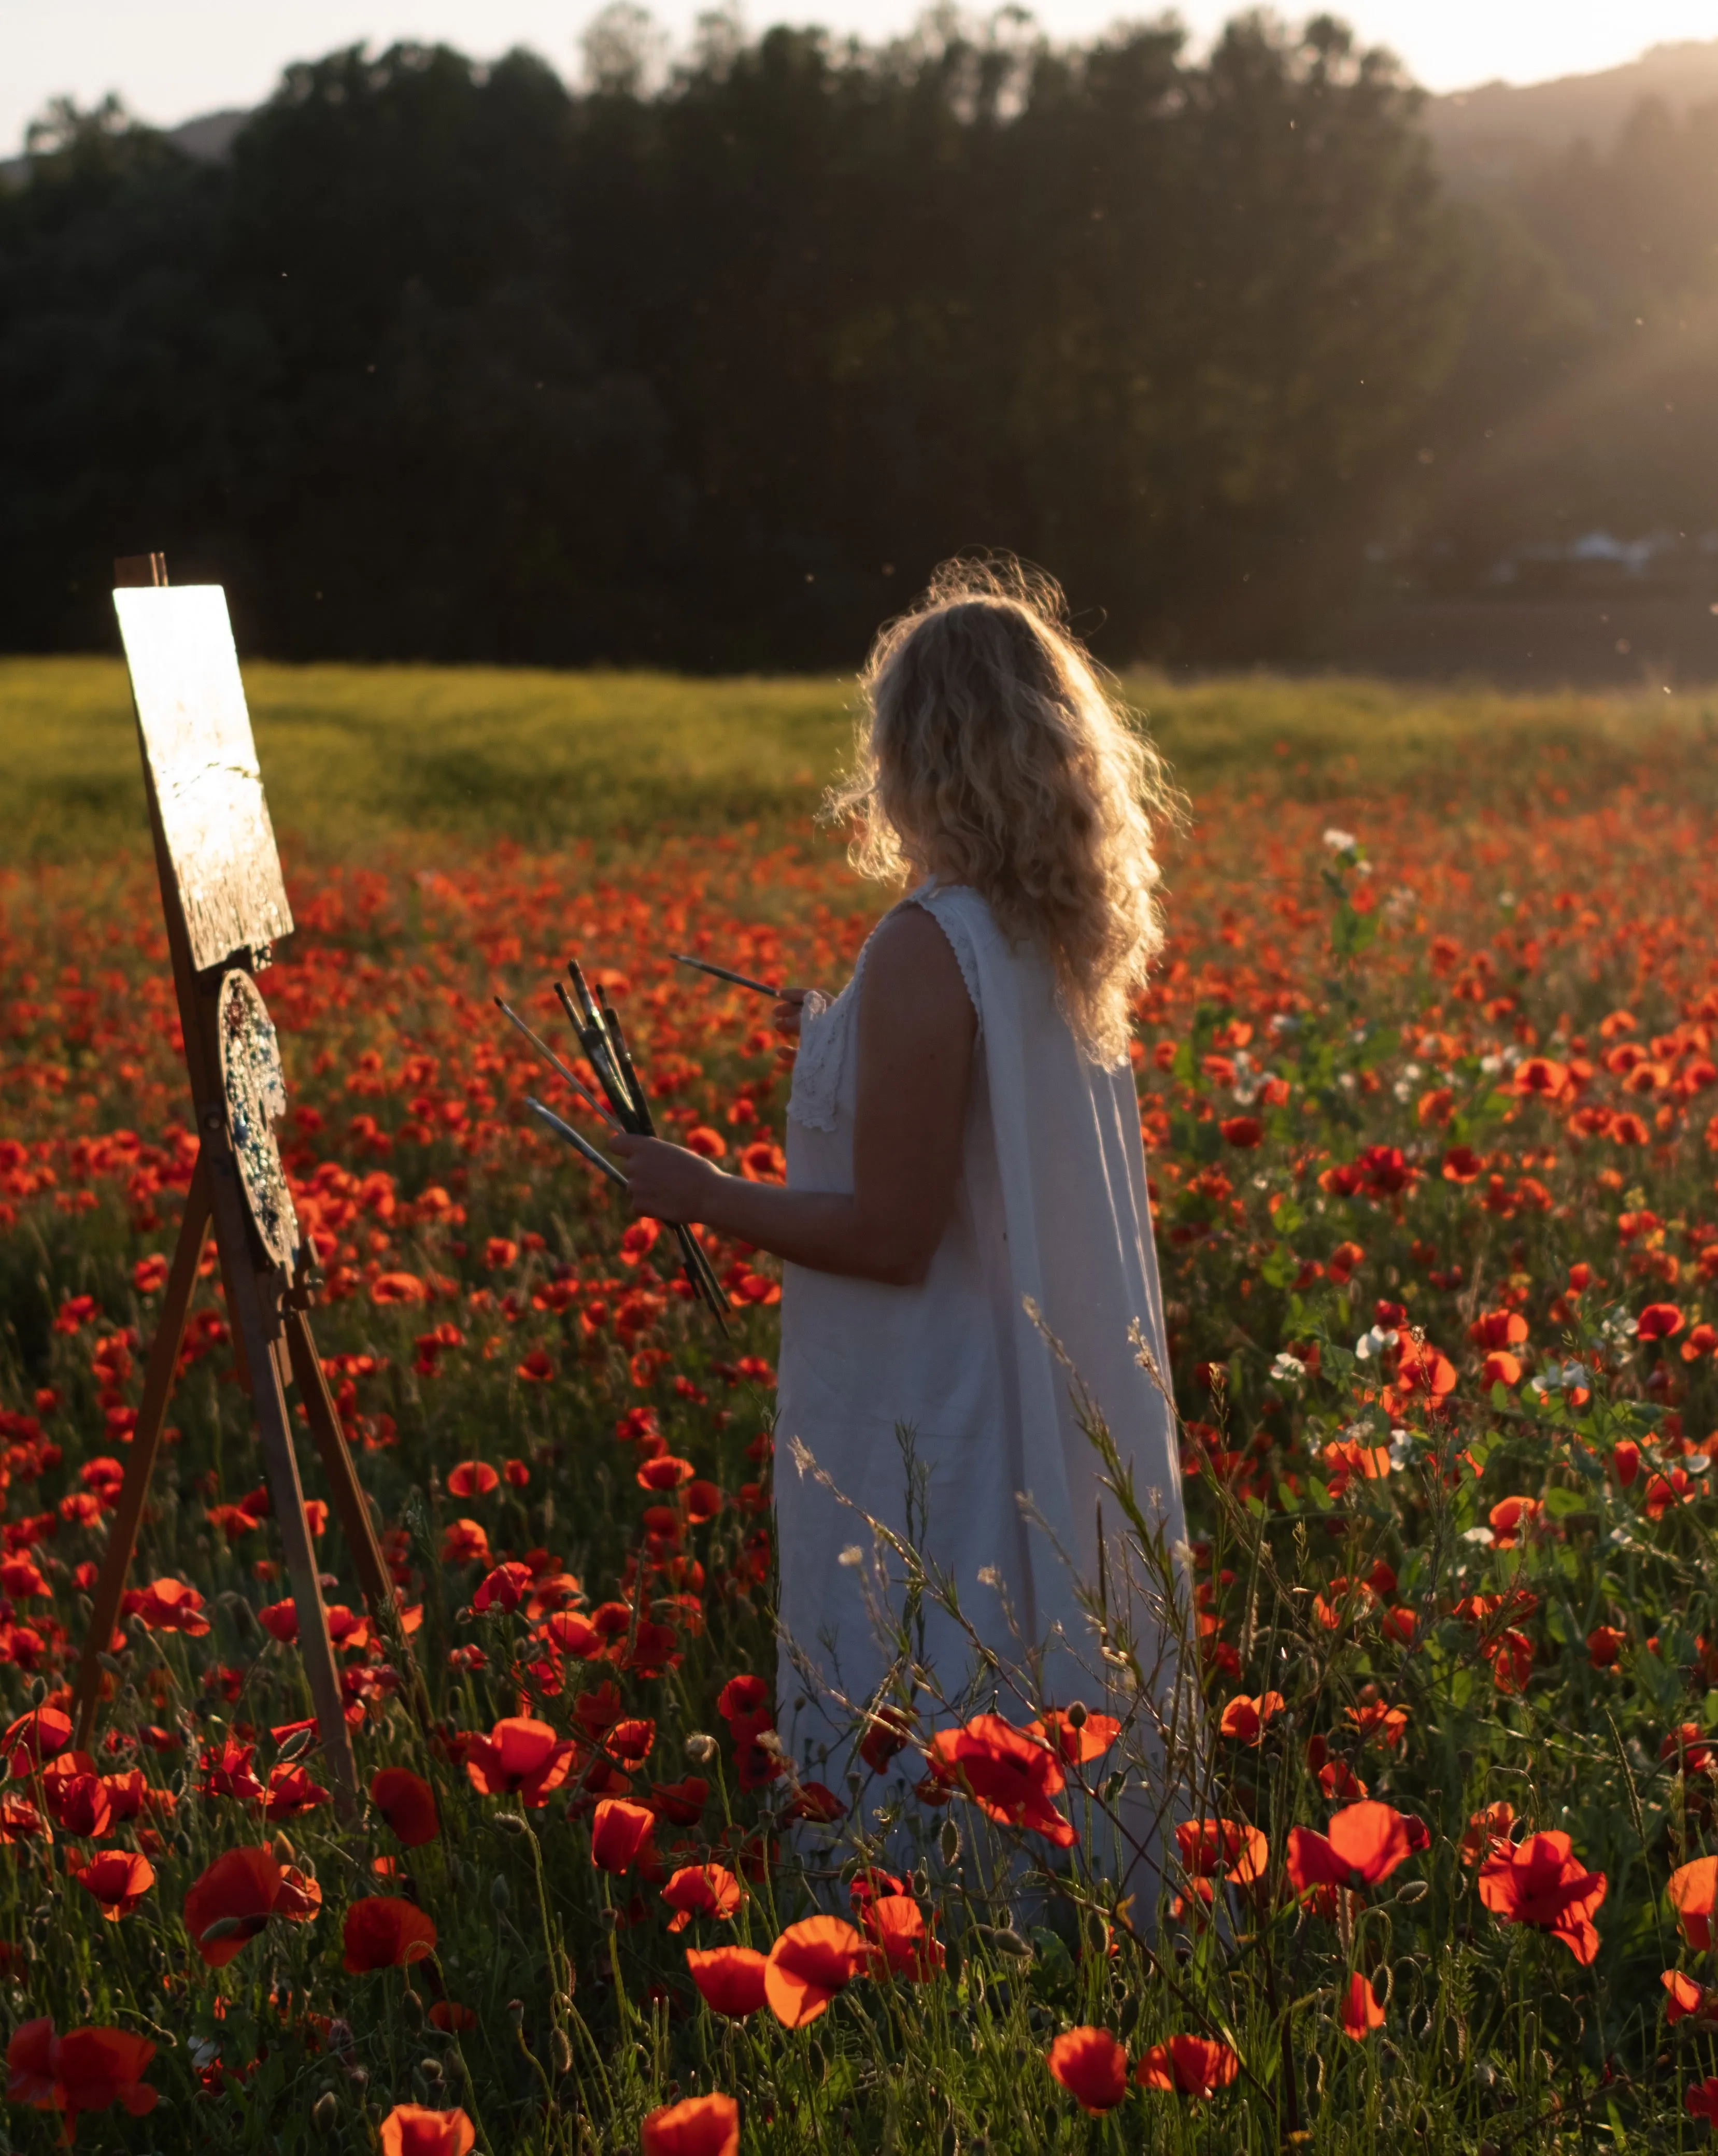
[(472, 1478), (1079, 1736), (1693, 1890), (701, 1890), (1686, 1998), (1245, 1719), (170, 1605), (729, 1979), (700, 2126), (410, 2129), (1288, 1369), (35, 1737), (1488, 1831), (291, 1792), (1188, 2065), (384, 1932), (1604, 1644), (1340, 842), (809, 1962), (85, 2070), (620, 1835), (903, 1934), (1701, 2100), (1092, 2066), (236, 1897), (408, 1804), (1366, 1843), (1361, 2011), (1010, 1774), (1660, 1321), (519, 1758), (118, 1879), (1542, 1883)]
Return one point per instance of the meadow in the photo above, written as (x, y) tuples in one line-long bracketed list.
[(1427, 1080)]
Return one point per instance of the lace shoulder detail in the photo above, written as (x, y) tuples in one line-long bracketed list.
[(814, 1096), (949, 905)]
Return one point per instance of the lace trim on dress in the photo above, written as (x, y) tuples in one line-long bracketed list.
[(932, 898), (813, 1097)]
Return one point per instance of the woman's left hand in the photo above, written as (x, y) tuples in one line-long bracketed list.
[(665, 1182)]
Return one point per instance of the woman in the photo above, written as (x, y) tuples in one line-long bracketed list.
[(966, 1196)]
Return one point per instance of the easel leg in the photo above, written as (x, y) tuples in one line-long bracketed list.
[(348, 1496), (145, 1443)]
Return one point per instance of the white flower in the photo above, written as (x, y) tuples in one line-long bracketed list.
[(1288, 1369), (1491, 1064), (1560, 1377), (1402, 1446), (1482, 1537), (852, 1555), (1373, 1342), (1284, 1022), (1183, 1553), (1340, 842), (1411, 1071), (1506, 898)]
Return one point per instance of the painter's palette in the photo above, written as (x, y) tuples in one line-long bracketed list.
[(256, 1099)]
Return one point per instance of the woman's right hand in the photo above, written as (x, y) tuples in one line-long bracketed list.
[(785, 1017)]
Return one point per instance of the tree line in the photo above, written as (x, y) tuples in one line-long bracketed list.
[(452, 361)]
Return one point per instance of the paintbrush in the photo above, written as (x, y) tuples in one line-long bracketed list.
[(579, 1145), (697, 1264), (725, 973), (549, 1057), (598, 1033)]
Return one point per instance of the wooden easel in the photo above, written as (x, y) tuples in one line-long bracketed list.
[(272, 1340)]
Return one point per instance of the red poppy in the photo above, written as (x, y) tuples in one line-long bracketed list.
[(445, 2014), (700, 2126), (1487, 1831), (384, 1932), (35, 1737), (1686, 1997), (729, 1979), (279, 1620), (236, 1897), (1189, 2066), (472, 1478), (1232, 1847), (620, 1834), (1244, 1719), (901, 1931), (1092, 2066), (291, 1792), (412, 2130), (1701, 2100), (1604, 1646), (809, 1962), (85, 2070), (119, 1880), (76, 1796), (1660, 1321), (742, 1697), (1078, 1736), (169, 1606), (1693, 1889), (1241, 1130), (1361, 2011), (1542, 1883), (520, 1757), (1010, 1774), (701, 1890), (1366, 1843), (407, 1803)]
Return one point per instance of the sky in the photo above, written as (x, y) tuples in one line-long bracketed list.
[(173, 59)]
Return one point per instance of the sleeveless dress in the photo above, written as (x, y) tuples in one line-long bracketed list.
[(1051, 1209)]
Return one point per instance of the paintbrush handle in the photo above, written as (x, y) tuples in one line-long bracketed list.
[(725, 973), (566, 1132), (549, 1057)]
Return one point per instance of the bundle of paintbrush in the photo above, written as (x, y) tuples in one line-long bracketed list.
[(597, 1028)]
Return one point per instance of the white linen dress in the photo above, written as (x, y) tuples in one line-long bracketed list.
[(1051, 1209)]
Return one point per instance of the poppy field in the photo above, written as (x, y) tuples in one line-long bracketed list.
[(1428, 1082)]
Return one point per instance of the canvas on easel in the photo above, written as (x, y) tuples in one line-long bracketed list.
[(224, 903)]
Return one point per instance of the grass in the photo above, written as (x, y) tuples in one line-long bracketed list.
[(353, 755)]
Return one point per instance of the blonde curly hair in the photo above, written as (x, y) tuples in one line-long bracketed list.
[(994, 752)]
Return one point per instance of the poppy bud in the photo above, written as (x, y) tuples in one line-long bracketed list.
[(340, 2034), (359, 2076), (412, 2010), (285, 1852), (1076, 1716), (701, 1749), (515, 2008), (500, 1894), (560, 2052), (39, 1690), (325, 2110), (431, 2070), (949, 1841)]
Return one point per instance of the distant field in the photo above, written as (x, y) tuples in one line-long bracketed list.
[(354, 756)]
